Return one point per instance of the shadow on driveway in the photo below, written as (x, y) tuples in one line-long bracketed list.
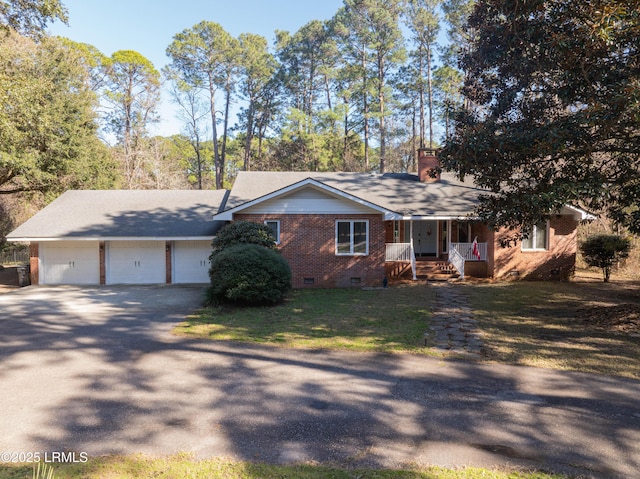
[(96, 370)]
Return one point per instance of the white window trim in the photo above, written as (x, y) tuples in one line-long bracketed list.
[(534, 233), (277, 222), (351, 245)]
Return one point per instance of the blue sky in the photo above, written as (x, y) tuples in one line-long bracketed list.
[(149, 26)]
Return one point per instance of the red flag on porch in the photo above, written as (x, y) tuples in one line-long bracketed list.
[(476, 251)]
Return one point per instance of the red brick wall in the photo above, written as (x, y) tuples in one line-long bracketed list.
[(558, 262), (103, 262), (167, 262), (34, 254), (308, 243)]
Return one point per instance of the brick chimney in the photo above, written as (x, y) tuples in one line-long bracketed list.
[(428, 162)]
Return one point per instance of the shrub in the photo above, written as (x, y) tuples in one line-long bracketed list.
[(248, 274), (605, 251), (243, 232)]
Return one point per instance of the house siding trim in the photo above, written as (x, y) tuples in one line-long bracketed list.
[(243, 209)]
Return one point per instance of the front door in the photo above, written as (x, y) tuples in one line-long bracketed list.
[(425, 238)]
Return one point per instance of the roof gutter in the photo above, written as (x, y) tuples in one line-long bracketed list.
[(18, 239)]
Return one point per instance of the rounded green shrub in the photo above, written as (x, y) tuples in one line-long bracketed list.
[(243, 232), (248, 274)]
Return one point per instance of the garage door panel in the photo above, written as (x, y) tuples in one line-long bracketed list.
[(69, 262), (191, 261), (136, 262)]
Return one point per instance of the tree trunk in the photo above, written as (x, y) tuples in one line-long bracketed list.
[(214, 134), (247, 143), (383, 139), (430, 96), (422, 128)]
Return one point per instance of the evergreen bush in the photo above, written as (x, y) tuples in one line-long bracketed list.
[(248, 274), (605, 252), (243, 232)]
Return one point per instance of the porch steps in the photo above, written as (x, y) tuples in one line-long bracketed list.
[(435, 270), (426, 269)]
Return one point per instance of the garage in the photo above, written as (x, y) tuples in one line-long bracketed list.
[(191, 261), (123, 237), (70, 262), (136, 262)]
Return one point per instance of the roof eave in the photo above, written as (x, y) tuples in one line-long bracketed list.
[(39, 239), (228, 214)]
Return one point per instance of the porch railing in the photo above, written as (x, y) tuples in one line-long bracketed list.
[(460, 253), (457, 260), (402, 252), (466, 251)]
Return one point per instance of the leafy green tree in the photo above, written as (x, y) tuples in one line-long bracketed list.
[(371, 29), (605, 252), (447, 82), (133, 92), (200, 55), (422, 18), (307, 66), (94, 61), (48, 129), (257, 67), (554, 118), (193, 111), (30, 17), (353, 77)]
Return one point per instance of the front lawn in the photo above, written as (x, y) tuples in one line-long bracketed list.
[(381, 320), (583, 326)]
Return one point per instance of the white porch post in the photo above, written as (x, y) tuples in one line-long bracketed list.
[(411, 231)]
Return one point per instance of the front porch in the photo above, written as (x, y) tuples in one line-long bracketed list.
[(434, 248)]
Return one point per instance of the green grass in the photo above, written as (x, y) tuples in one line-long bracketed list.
[(524, 323), (545, 324), (381, 320), (185, 467)]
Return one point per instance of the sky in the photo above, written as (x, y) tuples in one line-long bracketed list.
[(148, 27)]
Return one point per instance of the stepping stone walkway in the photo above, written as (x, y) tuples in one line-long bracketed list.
[(453, 323)]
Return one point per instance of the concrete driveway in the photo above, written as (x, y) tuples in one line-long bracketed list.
[(96, 370)]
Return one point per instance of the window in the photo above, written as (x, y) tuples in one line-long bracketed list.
[(352, 237), (537, 238), (274, 226), (463, 232)]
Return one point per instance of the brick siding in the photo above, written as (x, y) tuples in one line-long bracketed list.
[(103, 262), (557, 262), (34, 256), (308, 243)]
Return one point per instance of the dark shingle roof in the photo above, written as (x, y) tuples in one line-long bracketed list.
[(126, 213), (397, 192)]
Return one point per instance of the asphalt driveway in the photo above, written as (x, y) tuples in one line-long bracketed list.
[(96, 370)]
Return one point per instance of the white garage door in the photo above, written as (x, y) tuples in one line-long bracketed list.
[(136, 262), (69, 262), (191, 261)]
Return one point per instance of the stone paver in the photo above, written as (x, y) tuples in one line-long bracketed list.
[(453, 322)]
